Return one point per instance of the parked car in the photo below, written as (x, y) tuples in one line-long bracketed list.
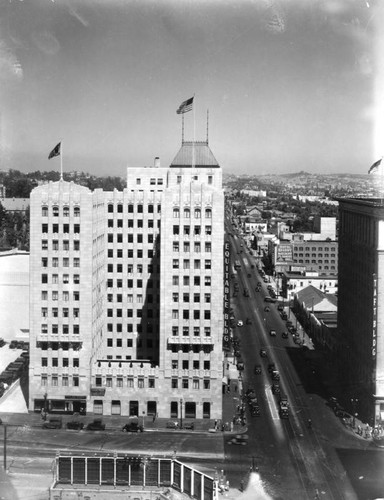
[(53, 423), (272, 333), (269, 299), (96, 425), (133, 427), (284, 315), (172, 424), (240, 365), (284, 335), (266, 309), (240, 323), (263, 353), (189, 425), (257, 369), (275, 375), (241, 439), (283, 401), (75, 424), (271, 367), (280, 307)]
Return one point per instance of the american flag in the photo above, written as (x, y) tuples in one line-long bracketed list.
[(185, 106), (375, 166), (55, 151)]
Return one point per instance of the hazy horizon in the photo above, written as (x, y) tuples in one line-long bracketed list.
[(290, 86)]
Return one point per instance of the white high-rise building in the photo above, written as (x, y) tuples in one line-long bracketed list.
[(126, 312)]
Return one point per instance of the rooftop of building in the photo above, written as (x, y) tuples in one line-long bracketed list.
[(314, 298), (372, 202), (196, 153)]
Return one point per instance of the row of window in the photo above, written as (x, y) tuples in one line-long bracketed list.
[(187, 297), (64, 329), (187, 281), (65, 362), (313, 249), (65, 278), (64, 312), (119, 208), (65, 228), (118, 313), (187, 230), (65, 380), (187, 314), (56, 211), (196, 213), (185, 383), (65, 262), (139, 224), (326, 255), (196, 246), (118, 283), (195, 365), (65, 245), (186, 331), (65, 296), (187, 264), (118, 327)]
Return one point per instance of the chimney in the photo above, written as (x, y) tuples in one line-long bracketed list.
[(157, 162)]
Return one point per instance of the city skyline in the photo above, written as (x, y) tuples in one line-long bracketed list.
[(289, 87)]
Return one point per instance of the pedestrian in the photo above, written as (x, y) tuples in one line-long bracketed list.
[(154, 418), (222, 428), (42, 413), (235, 388), (215, 425)]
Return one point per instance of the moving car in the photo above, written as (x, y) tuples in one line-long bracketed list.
[(257, 369), (241, 439), (266, 309), (75, 424), (272, 333), (263, 353), (96, 425), (133, 427), (248, 321), (275, 375), (240, 323), (280, 307), (275, 388), (284, 335), (255, 411), (284, 413), (53, 423)]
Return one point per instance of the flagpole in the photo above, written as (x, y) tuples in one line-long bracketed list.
[(194, 134), (182, 128), (61, 161)]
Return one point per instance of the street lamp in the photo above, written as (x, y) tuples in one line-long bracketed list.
[(181, 413)]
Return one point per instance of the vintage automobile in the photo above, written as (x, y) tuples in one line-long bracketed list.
[(241, 439), (172, 424), (53, 423), (133, 427), (75, 425), (257, 369), (96, 425)]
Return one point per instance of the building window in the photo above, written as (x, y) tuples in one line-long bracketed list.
[(175, 364), (185, 383), (185, 314), (175, 314), (206, 383), (54, 381), (175, 280), (196, 280), (207, 331), (175, 246), (208, 230), (196, 331), (44, 380), (187, 230), (186, 280), (75, 381), (175, 331), (151, 382), (174, 383), (208, 247), (207, 281), (140, 383), (44, 211), (207, 264), (196, 264), (44, 244), (185, 331), (176, 213), (196, 314), (195, 383), (175, 264)]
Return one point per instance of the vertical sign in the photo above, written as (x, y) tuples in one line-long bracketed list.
[(374, 317), (226, 338)]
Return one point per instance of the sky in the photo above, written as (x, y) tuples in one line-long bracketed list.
[(290, 85)]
